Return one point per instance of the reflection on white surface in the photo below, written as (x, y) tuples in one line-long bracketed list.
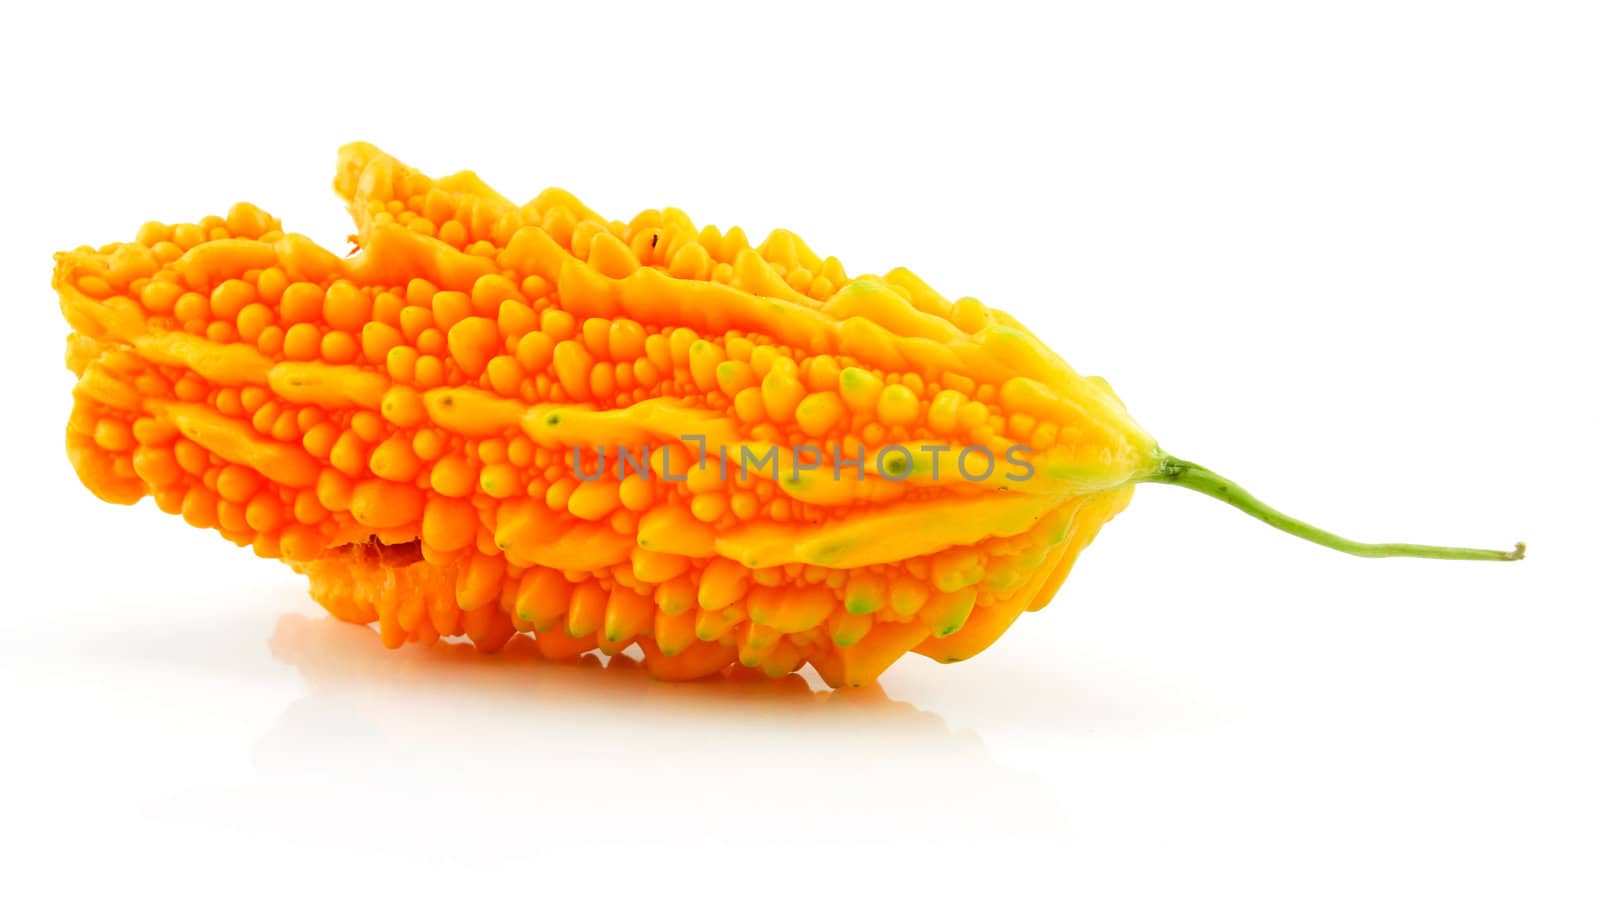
[(572, 744), (236, 744)]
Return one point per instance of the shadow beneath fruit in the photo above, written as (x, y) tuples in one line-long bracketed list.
[(570, 745)]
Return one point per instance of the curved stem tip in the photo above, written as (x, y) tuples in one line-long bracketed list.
[(1192, 476)]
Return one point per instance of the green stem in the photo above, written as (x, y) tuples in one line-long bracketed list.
[(1194, 477)]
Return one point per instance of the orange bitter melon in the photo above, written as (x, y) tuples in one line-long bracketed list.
[(499, 418)]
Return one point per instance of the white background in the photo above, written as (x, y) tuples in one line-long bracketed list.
[(1342, 252)]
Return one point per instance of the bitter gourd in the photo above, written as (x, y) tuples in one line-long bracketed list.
[(497, 418)]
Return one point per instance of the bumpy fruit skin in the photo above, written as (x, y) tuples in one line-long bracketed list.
[(400, 427)]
